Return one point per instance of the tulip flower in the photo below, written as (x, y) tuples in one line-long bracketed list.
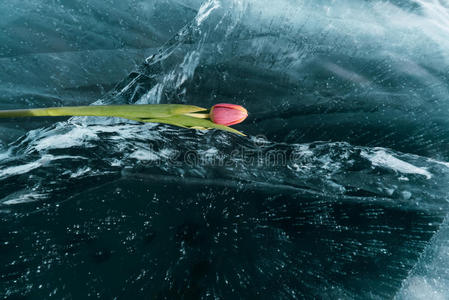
[(187, 116), (228, 114)]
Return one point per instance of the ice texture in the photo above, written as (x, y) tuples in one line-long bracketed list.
[(340, 189)]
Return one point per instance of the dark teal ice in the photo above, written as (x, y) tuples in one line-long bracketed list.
[(340, 190)]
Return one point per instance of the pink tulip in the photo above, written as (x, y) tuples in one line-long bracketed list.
[(227, 114)]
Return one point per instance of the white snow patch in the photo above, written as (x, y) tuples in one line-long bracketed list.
[(25, 168), (144, 155), (19, 198), (205, 10), (16, 170), (75, 137), (81, 172), (381, 158), (420, 288)]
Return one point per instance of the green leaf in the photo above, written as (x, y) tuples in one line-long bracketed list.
[(189, 122)]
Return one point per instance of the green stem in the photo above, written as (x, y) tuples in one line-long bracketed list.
[(124, 111)]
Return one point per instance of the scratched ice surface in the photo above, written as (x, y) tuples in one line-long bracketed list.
[(340, 190)]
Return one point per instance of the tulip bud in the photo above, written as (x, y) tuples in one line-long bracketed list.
[(227, 114)]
